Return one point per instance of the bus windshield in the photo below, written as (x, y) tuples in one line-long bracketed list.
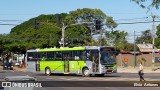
[(108, 56)]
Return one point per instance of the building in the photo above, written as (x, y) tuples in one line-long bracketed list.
[(144, 55), (147, 48)]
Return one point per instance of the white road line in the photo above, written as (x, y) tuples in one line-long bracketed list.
[(49, 78), (97, 79), (80, 79), (72, 78), (62, 78), (149, 79), (106, 79), (66, 78)]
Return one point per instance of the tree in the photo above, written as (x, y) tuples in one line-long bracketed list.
[(85, 15), (146, 37), (2, 44), (154, 3), (130, 47), (157, 40), (76, 36), (118, 38), (90, 15), (110, 23), (24, 36)]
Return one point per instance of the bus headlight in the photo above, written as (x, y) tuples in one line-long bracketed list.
[(103, 67)]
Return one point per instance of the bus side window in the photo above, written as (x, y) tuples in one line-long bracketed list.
[(88, 54), (29, 56), (43, 56), (83, 55), (67, 55), (76, 55), (50, 56), (58, 55)]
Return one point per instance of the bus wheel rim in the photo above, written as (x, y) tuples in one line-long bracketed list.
[(47, 71), (86, 72)]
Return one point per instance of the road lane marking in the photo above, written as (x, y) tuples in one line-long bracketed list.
[(99, 79), (49, 78)]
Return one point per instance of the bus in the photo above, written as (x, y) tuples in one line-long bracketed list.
[(85, 61)]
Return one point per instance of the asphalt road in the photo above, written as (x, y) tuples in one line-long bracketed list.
[(119, 77)]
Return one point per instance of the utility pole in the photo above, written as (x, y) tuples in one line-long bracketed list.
[(153, 52), (134, 49), (101, 37), (63, 30)]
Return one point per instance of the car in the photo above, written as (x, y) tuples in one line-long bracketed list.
[(7, 66), (15, 63)]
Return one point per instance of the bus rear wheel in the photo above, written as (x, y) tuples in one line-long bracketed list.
[(85, 72), (48, 71)]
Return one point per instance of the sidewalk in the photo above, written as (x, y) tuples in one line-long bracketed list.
[(15, 68), (135, 70), (19, 69)]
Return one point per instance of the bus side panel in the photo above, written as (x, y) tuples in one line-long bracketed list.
[(81, 65), (31, 66), (44, 64), (76, 66), (55, 66), (58, 67), (73, 66)]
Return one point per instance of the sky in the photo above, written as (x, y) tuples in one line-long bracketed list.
[(23, 10)]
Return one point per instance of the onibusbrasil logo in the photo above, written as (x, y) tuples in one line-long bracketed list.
[(21, 84)]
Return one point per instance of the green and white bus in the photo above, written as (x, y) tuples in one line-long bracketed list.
[(86, 61)]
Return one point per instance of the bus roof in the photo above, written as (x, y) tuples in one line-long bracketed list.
[(61, 49), (32, 50), (96, 47), (67, 48)]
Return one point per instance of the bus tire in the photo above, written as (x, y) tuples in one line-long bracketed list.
[(85, 72), (48, 71)]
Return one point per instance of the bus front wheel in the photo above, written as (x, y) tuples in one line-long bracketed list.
[(47, 71), (85, 72)]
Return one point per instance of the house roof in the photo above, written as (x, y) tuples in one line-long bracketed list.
[(147, 48)]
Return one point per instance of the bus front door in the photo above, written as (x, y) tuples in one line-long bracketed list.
[(66, 62), (95, 61)]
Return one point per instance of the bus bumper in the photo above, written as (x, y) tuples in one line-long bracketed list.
[(111, 71)]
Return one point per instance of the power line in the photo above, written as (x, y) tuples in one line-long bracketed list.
[(137, 22), (10, 20), (131, 19), (104, 24), (9, 24)]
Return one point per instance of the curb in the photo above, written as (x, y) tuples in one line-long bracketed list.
[(137, 72)]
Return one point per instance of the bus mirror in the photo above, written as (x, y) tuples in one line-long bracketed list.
[(88, 55)]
